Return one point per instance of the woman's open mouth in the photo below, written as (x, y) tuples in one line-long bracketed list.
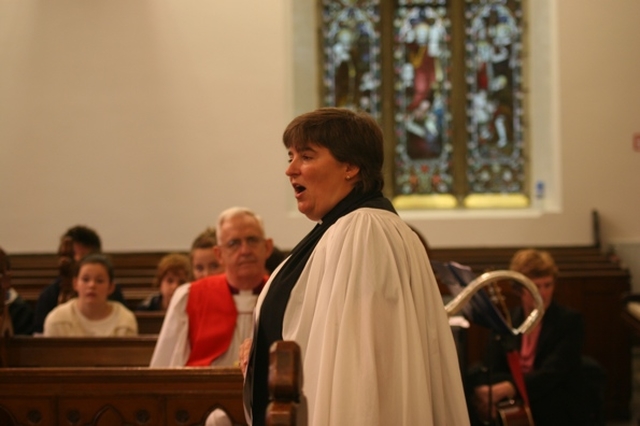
[(298, 189)]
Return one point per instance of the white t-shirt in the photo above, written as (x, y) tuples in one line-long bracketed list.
[(66, 320)]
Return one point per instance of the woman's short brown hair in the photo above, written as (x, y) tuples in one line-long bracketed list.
[(177, 263), (352, 137), (534, 263)]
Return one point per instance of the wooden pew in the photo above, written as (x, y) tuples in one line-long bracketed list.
[(590, 281), (77, 381), (149, 322), (568, 258), (24, 351), (118, 396), (146, 396), (134, 271)]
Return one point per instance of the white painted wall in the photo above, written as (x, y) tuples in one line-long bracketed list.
[(144, 119)]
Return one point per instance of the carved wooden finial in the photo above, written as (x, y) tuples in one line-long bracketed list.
[(285, 384)]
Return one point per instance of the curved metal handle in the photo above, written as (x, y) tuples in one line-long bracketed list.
[(487, 278)]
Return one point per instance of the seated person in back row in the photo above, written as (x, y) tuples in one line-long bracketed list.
[(208, 319), (203, 256), (76, 243), (550, 355), (91, 313), (19, 311), (173, 270)]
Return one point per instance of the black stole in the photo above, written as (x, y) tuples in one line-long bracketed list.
[(269, 328)]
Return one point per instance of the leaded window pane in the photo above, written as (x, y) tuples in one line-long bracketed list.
[(493, 46), (422, 87), (351, 50)]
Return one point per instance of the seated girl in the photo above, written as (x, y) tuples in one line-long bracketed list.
[(173, 270), (91, 313)]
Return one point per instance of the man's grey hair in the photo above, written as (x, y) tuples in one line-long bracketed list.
[(232, 212)]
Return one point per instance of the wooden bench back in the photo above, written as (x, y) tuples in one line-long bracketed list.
[(135, 271), (134, 395), (149, 322), (118, 395), (23, 351)]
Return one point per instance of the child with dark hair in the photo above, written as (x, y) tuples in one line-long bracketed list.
[(77, 242), (85, 241), (91, 313), (173, 270)]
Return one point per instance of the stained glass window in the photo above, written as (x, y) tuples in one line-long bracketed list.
[(454, 110), (422, 87), (351, 50), (495, 142)]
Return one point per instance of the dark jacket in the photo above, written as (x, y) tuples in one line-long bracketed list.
[(554, 385), (21, 315), (151, 303)]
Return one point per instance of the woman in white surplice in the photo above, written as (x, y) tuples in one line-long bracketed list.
[(357, 293)]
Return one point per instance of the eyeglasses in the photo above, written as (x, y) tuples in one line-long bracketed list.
[(236, 243)]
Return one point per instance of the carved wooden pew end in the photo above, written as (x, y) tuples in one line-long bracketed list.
[(285, 385)]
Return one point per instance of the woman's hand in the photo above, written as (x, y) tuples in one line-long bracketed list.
[(498, 391), (245, 351), (481, 403)]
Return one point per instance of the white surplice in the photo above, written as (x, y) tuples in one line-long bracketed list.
[(376, 345)]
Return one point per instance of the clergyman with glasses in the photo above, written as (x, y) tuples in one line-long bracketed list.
[(208, 319)]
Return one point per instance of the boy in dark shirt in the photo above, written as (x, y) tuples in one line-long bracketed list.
[(76, 243)]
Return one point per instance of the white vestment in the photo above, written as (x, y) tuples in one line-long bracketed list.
[(376, 344), (173, 348)]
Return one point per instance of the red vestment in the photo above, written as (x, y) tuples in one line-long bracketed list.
[(212, 319), (212, 316)]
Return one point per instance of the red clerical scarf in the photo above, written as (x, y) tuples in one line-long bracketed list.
[(212, 319)]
